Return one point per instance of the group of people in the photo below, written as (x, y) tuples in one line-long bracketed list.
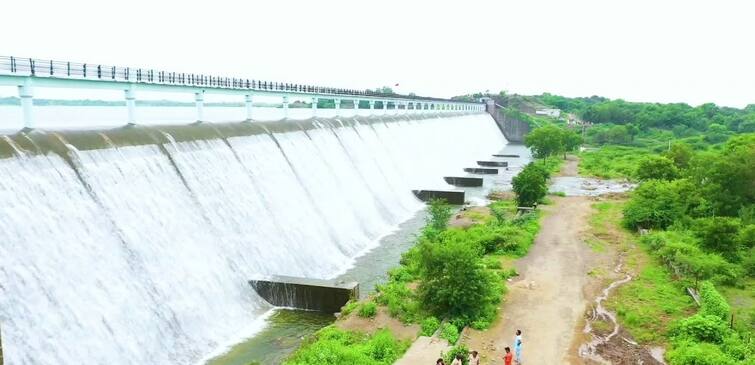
[(508, 357)]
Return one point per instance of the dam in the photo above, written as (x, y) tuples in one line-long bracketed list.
[(135, 244)]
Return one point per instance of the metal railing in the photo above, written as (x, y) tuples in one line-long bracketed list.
[(85, 71)]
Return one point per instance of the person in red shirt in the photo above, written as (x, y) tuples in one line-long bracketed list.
[(508, 357)]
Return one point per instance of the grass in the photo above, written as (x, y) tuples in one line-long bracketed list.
[(647, 305), (742, 302), (651, 301), (332, 346), (611, 162)]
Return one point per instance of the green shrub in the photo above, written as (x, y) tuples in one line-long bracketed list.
[(656, 167), (349, 307), (694, 353), (679, 252), (460, 349), (719, 235), (657, 204), (440, 213), (449, 332), (400, 301), (701, 328), (713, 303), (332, 346), (454, 283), (368, 310), (530, 185), (429, 326), (491, 262)]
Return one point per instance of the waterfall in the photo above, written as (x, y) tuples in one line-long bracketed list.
[(141, 253)]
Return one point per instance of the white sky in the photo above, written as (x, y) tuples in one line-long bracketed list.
[(667, 51)]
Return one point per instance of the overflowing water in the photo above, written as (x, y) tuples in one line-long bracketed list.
[(141, 254)]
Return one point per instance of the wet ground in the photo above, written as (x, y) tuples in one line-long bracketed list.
[(585, 186)]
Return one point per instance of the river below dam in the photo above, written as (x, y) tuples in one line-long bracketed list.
[(135, 245)]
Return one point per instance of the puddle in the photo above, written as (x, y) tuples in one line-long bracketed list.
[(585, 186)]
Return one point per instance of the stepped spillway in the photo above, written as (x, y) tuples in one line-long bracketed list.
[(135, 245)]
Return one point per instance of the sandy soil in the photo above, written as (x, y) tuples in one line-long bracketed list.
[(353, 322), (570, 166), (548, 299), (469, 217)]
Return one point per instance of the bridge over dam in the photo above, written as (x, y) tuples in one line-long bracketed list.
[(135, 244)]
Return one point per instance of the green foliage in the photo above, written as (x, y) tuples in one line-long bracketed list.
[(681, 253), (440, 213), (657, 204), (695, 353), (331, 346), (719, 234), (449, 332), (368, 310), (429, 326), (701, 328), (401, 302), (530, 185), (611, 162), (656, 168), (680, 154), (454, 283), (458, 350), (349, 307), (551, 140), (713, 303)]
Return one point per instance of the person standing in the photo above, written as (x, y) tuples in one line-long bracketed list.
[(518, 346), (508, 357), (440, 362), (459, 360), (474, 358)]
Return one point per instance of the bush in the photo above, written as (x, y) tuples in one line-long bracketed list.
[(530, 185), (450, 333), (657, 204), (701, 328), (429, 326), (719, 234), (679, 252), (368, 310), (349, 307), (454, 283), (692, 353), (331, 346), (440, 213), (656, 168), (462, 350), (713, 303)]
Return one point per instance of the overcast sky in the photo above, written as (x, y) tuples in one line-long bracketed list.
[(667, 51)]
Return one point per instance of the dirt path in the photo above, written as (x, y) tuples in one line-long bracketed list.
[(570, 167), (547, 300)]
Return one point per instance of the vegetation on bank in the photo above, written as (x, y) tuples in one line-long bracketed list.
[(449, 272), (332, 346), (696, 172)]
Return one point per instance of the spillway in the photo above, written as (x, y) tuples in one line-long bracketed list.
[(135, 245)]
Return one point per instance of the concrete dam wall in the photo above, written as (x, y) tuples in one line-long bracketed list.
[(136, 245)]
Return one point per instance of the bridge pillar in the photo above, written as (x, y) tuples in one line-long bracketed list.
[(356, 107), (338, 106), (248, 105), (314, 106), (199, 99), (130, 104), (26, 93), (285, 107), (372, 107), (385, 107)]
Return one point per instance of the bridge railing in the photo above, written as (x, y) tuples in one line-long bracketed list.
[(76, 70)]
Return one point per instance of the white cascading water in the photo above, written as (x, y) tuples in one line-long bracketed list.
[(144, 257)]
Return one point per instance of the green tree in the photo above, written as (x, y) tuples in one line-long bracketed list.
[(656, 168), (530, 185), (681, 153), (570, 140), (720, 235), (440, 213), (545, 141), (453, 281), (657, 204)]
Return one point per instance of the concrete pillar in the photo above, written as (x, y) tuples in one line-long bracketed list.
[(372, 107), (199, 98), (285, 107), (130, 105), (26, 93), (338, 106), (314, 106), (248, 105)]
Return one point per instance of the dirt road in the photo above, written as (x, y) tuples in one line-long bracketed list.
[(549, 298)]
